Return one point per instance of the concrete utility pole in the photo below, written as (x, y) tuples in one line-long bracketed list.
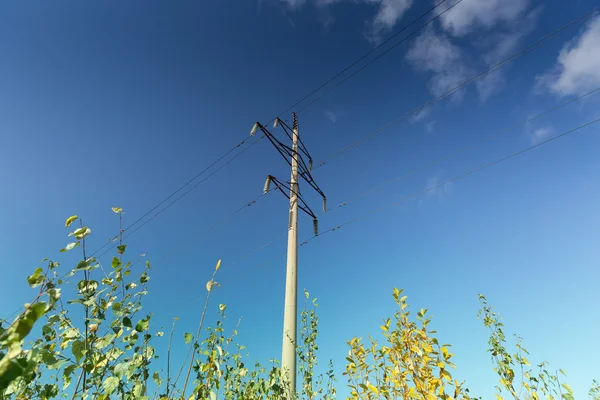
[(300, 169), (290, 316)]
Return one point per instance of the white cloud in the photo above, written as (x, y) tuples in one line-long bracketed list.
[(499, 45), (432, 52), (388, 13), (578, 66), (331, 116), (540, 134), (472, 14), (420, 115)]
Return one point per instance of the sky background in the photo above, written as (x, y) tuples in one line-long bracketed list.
[(120, 103)]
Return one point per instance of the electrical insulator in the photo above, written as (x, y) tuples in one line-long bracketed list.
[(267, 184), (254, 129), (324, 204), (316, 226), (276, 123), (310, 164)]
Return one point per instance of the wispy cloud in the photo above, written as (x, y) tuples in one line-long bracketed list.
[(541, 134), (577, 69), (470, 15), (389, 12), (436, 187), (434, 52), (331, 116), (293, 4), (430, 126), (420, 115), (498, 45)]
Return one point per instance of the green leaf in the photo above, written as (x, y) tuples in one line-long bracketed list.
[(10, 370), (70, 246), (82, 232), (104, 341), (138, 390), (117, 210), (78, 349), (70, 220), (156, 379), (116, 262), (121, 248), (127, 322), (54, 295), (23, 326), (187, 337), (121, 369), (37, 278), (110, 385), (142, 325)]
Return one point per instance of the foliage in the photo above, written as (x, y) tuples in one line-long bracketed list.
[(532, 383), (100, 345), (410, 365)]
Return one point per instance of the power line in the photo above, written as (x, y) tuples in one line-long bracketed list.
[(365, 56), (288, 109), (216, 224), (452, 154), (463, 149), (176, 199), (461, 86), (434, 187), (404, 39)]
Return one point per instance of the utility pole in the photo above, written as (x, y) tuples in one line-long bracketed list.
[(300, 169), (290, 315)]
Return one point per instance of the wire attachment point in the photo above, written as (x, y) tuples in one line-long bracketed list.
[(267, 184)]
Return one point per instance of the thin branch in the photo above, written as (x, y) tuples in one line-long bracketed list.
[(198, 332)]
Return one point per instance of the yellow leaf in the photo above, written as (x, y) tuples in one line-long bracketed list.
[(70, 220), (373, 388), (218, 265), (117, 210)]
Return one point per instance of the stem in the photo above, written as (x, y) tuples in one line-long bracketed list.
[(169, 358), (522, 370), (198, 335), (77, 386), (558, 384), (87, 315), (121, 255)]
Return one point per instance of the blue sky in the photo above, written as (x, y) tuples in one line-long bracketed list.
[(120, 103)]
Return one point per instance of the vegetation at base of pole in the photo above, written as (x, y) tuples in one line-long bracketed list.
[(99, 343)]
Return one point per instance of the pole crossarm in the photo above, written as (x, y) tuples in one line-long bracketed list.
[(281, 185), (304, 168)]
